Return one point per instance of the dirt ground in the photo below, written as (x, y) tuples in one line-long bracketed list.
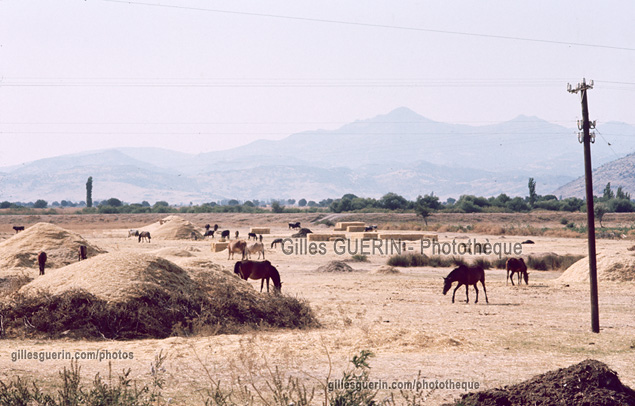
[(403, 318)]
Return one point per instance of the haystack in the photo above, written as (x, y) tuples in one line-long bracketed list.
[(60, 245), (343, 225), (172, 252), (173, 228), (611, 267), (132, 296), (115, 277), (335, 266), (387, 270), (325, 236), (356, 229), (202, 267)]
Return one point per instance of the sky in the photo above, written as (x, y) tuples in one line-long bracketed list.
[(201, 75)]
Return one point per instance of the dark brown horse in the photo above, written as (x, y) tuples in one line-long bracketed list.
[(516, 265), (465, 275), (41, 260), (144, 235), (259, 270)]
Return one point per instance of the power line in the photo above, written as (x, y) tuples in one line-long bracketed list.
[(278, 83), (372, 25)]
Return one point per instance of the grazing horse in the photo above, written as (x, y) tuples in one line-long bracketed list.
[(252, 235), (144, 235), (516, 265), (41, 260), (133, 233), (259, 270), (256, 247), (82, 252), (465, 275), (209, 233), (294, 225), (238, 247), (276, 242), (225, 234), (18, 228)]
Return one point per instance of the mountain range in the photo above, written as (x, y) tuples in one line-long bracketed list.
[(401, 152)]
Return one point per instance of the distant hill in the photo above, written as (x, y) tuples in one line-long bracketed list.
[(401, 152), (620, 172)]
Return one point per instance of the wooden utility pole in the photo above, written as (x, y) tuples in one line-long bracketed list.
[(587, 137)]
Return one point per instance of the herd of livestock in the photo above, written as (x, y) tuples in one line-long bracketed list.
[(247, 269)]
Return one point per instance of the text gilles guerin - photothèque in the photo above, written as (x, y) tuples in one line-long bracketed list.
[(344, 246)]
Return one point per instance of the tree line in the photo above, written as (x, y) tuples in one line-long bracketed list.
[(611, 201)]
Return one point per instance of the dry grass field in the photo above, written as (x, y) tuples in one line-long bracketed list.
[(402, 317)]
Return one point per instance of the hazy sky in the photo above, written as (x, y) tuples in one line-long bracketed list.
[(202, 75)]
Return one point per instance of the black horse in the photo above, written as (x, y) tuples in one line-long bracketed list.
[(465, 275)]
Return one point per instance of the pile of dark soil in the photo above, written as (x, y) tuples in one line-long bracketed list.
[(589, 383)]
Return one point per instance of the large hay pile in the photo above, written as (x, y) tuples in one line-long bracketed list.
[(173, 228), (129, 296), (61, 247), (115, 277), (611, 267)]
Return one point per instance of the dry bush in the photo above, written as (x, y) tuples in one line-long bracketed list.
[(434, 261), (552, 261), (488, 228), (408, 226)]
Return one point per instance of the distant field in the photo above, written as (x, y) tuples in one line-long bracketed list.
[(403, 317)]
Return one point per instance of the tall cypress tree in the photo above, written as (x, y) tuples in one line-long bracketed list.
[(89, 192)]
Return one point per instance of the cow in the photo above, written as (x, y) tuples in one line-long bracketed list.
[(236, 246), (133, 233), (225, 234), (18, 228), (255, 247), (294, 225), (209, 233), (252, 235), (41, 260)]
